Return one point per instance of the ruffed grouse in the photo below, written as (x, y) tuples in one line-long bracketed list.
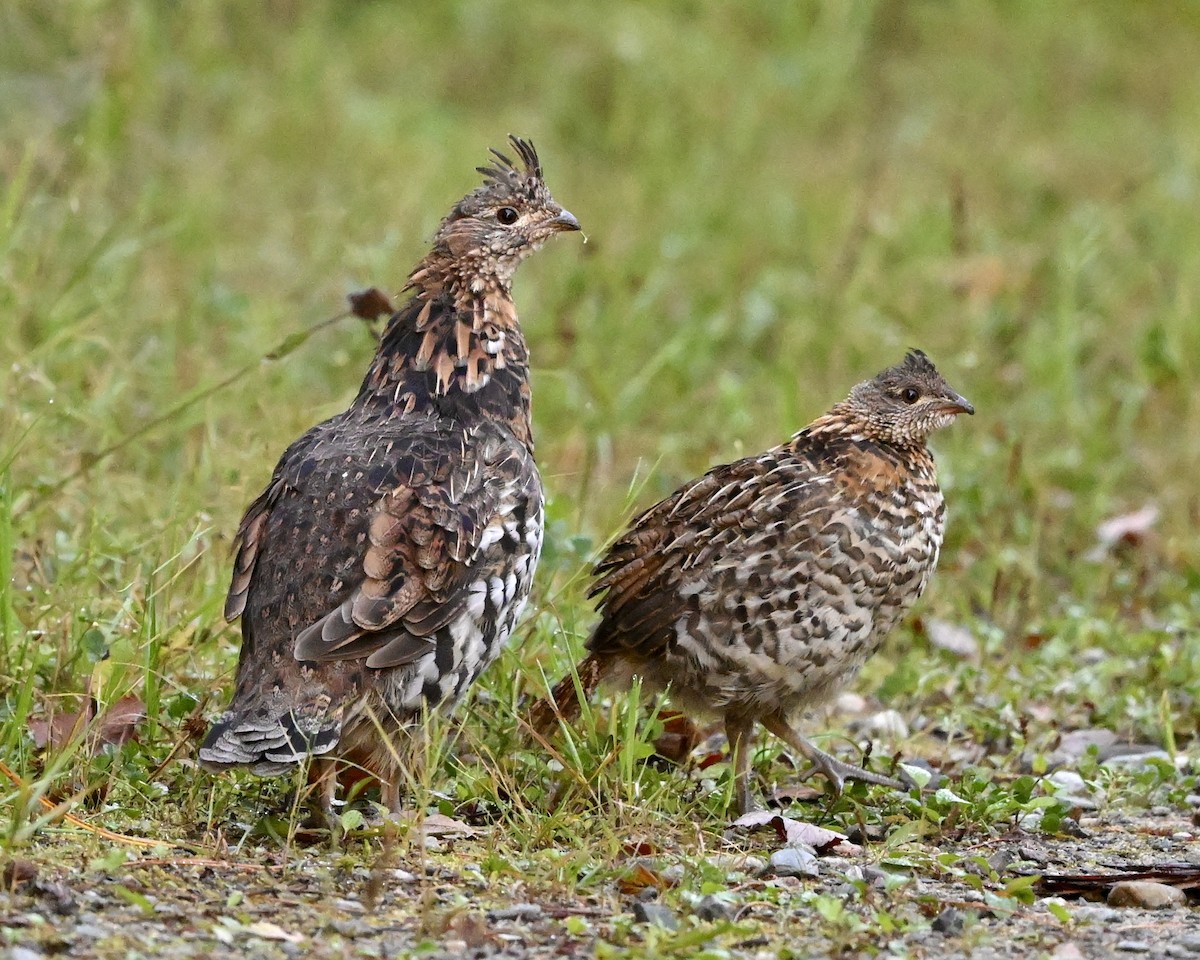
[(759, 589), (388, 559)]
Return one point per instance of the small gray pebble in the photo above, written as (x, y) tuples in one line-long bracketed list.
[(949, 922), (713, 908), (655, 913), (793, 862), (1097, 914), (730, 863), (875, 876), (1000, 859), (1135, 757), (1069, 781), (60, 898), (25, 953), (518, 911), (350, 929), (1191, 943), (1133, 946), (646, 894)]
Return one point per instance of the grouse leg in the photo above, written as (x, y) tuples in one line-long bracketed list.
[(740, 731), (390, 793), (325, 777), (836, 771)]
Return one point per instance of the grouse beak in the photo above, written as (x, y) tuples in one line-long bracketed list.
[(957, 404), (563, 222)]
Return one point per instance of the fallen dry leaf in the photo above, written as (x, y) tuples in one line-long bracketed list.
[(18, 873), (471, 928), (792, 832), (639, 877), (267, 930), (117, 725), (439, 825), (640, 848), (61, 728), (1128, 529), (121, 720)]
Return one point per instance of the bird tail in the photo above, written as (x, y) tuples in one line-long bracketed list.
[(565, 701), (268, 745)]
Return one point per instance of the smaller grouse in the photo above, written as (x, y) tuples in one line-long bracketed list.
[(388, 559), (760, 589)]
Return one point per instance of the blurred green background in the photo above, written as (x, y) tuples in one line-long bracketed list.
[(778, 200)]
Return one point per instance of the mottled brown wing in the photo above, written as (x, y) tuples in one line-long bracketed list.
[(698, 526), (423, 545), (252, 529)]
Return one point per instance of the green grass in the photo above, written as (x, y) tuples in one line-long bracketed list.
[(777, 203)]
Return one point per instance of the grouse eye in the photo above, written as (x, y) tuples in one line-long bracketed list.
[(506, 215), (910, 394)]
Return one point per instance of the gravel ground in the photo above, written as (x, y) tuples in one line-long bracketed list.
[(71, 896)]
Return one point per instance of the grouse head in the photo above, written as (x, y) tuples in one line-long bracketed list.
[(905, 403), (496, 226)]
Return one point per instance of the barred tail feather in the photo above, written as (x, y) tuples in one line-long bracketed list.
[(267, 745), (564, 703)]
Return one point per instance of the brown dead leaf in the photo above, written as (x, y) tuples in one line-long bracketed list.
[(710, 759), (370, 304), (120, 722), (266, 930), (1033, 640), (639, 877), (117, 725), (439, 825), (471, 927), (1127, 529), (61, 728), (18, 873), (640, 848), (791, 832)]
